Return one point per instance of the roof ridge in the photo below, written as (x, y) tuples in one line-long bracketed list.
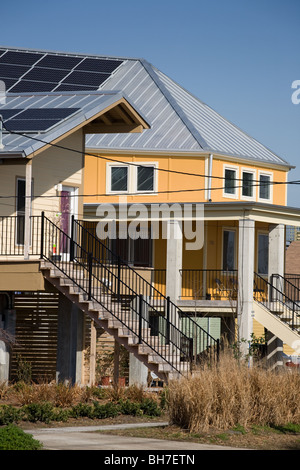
[(195, 133)]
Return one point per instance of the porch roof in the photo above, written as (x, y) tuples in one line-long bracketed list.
[(226, 211)]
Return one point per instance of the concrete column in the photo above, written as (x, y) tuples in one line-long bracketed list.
[(8, 325), (70, 342), (174, 259), (276, 249), (138, 372), (276, 266), (245, 282), (28, 196)]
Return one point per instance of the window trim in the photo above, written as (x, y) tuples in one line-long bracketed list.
[(235, 195), (229, 229), (151, 165), (132, 175), (253, 172), (109, 167), (270, 174)]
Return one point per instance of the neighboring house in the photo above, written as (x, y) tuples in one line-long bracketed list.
[(164, 300)]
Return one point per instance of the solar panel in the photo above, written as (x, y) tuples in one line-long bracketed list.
[(8, 113), (83, 78), (25, 86), (45, 75), (98, 65), (46, 72), (47, 113), (30, 125), (59, 62), (34, 119), (19, 58), (12, 71)]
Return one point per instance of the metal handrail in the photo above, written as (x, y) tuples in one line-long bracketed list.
[(104, 284), (277, 302)]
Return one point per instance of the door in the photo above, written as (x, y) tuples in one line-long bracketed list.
[(68, 207)]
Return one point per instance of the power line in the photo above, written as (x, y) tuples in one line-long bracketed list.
[(120, 161)]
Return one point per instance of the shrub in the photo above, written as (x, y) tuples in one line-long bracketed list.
[(10, 414), (128, 407), (13, 438), (109, 410), (150, 407), (42, 412)]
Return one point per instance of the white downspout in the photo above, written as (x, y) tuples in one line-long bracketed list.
[(210, 164)]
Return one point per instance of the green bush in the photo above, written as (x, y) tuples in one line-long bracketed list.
[(82, 410), (109, 410), (10, 414), (150, 407), (43, 412), (128, 407), (13, 438)]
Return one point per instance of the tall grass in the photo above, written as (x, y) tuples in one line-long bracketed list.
[(229, 394)]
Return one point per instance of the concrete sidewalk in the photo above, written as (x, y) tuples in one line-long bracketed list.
[(86, 438)]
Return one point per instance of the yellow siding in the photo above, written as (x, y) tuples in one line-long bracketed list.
[(170, 185)]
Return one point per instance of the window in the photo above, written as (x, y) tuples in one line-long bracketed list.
[(228, 250), (230, 182), (119, 178), (137, 252), (131, 178), (263, 254), (145, 178), (247, 184), (265, 186)]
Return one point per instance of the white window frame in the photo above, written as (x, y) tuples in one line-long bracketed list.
[(270, 174), (235, 195), (109, 166), (132, 175), (253, 172), (229, 229)]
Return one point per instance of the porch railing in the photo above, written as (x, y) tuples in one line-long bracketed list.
[(12, 235), (209, 284)]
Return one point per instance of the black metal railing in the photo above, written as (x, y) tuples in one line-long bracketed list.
[(12, 235), (126, 295), (274, 297), (209, 284)]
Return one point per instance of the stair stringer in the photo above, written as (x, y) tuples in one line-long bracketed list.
[(114, 327), (274, 324)]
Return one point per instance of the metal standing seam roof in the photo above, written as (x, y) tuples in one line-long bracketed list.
[(179, 122)]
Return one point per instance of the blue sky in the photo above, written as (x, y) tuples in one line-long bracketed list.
[(238, 56)]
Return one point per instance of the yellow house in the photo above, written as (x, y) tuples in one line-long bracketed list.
[(131, 207)]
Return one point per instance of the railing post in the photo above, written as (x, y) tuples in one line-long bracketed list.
[(42, 236), (119, 278), (140, 317), (72, 239), (90, 269), (168, 321)]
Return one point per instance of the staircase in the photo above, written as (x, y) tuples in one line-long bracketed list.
[(122, 302), (277, 308)]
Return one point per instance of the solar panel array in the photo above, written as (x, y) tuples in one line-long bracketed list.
[(34, 119), (25, 71)]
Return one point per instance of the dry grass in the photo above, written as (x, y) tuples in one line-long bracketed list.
[(231, 394)]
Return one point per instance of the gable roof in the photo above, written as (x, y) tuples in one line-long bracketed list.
[(179, 122), (33, 120)]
